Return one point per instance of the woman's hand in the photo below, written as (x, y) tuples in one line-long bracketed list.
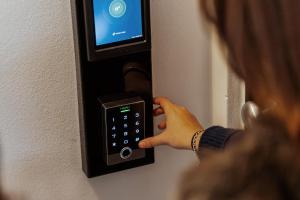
[(178, 128)]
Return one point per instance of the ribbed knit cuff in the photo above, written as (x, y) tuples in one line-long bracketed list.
[(215, 137)]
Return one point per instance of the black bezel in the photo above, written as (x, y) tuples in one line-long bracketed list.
[(95, 53)]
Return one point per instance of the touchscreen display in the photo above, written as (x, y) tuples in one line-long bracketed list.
[(117, 21)]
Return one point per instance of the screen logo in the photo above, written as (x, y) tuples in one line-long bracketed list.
[(117, 8)]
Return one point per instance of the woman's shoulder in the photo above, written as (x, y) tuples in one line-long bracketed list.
[(264, 165)]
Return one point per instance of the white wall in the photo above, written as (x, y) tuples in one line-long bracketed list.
[(40, 149), (228, 92)]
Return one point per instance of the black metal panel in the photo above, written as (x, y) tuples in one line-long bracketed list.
[(103, 78)]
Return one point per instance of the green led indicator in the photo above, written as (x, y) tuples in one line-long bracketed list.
[(125, 109)]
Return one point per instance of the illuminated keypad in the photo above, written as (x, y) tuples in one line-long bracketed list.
[(125, 126)]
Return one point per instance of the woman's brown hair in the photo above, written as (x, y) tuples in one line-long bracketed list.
[(262, 39)]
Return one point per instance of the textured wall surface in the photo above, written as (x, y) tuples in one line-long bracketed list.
[(39, 134), (228, 92)]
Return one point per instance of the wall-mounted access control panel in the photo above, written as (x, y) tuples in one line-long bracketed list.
[(123, 129), (114, 81)]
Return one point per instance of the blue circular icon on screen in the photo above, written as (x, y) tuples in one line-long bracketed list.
[(117, 8)]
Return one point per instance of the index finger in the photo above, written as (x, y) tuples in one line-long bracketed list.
[(153, 141)]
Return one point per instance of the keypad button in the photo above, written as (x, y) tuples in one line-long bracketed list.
[(125, 125), (125, 117), (137, 123), (125, 133), (137, 115), (114, 136), (114, 128), (137, 139), (126, 141), (114, 144), (137, 130)]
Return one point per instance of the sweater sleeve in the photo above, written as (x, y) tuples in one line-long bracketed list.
[(218, 138)]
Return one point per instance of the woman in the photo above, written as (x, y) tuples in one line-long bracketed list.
[(262, 41)]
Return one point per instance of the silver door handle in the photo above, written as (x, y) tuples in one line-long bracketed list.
[(249, 113)]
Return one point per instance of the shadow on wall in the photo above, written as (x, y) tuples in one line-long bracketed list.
[(130, 183), (156, 181), (14, 196), (11, 195)]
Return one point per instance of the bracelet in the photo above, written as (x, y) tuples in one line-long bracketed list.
[(195, 138)]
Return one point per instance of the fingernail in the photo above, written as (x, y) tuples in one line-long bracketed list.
[(142, 144)]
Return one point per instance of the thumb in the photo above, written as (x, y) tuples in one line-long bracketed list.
[(152, 141)]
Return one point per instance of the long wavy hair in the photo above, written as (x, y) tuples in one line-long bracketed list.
[(262, 41)]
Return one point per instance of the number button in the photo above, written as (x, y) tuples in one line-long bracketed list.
[(137, 123), (114, 144), (137, 115), (125, 133)]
